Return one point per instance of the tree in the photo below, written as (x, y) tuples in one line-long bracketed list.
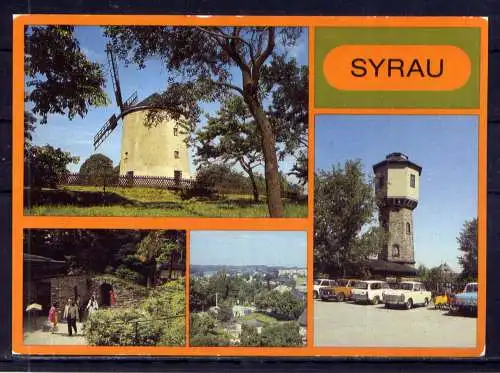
[(225, 312), (281, 335), (231, 138), (45, 166), (289, 111), (344, 204), (203, 332), (467, 244), (97, 169), (60, 78), (29, 127), (249, 337), (160, 247), (206, 57)]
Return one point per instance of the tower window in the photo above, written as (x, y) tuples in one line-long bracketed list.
[(408, 228), (176, 154), (395, 250), (412, 181), (176, 131)]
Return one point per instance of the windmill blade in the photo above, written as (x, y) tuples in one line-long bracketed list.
[(114, 76), (105, 130), (131, 101)]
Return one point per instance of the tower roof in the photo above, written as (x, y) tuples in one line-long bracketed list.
[(397, 158)]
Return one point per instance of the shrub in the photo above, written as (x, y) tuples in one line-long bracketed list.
[(127, 274), (281, 335), (122, 327), (159, 320), (203, 332), (45, 166)]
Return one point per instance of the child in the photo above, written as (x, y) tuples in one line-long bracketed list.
[(53, 318)]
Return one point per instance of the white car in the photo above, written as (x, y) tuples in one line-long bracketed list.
[(369, 291), (322, 283), (407, 294)]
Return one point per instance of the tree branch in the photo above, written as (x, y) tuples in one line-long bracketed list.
[(269, 49), (231, 86)]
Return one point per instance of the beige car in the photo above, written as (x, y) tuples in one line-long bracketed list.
[(369, 291), (407, 294)]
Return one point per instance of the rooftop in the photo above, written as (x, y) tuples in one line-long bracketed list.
[(399, 159)]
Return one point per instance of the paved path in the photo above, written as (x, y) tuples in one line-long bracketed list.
[(61, 337), (347, 324)]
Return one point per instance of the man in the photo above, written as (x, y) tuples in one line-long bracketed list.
[(71, 315)]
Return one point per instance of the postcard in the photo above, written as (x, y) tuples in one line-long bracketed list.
[(249, 186)]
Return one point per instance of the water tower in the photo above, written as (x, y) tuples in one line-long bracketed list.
[(159, 150), (397, 182)]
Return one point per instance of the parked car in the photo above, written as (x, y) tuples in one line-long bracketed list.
[(466, 300), (407, 294), (320, 284), (340, 292), (369, 291)]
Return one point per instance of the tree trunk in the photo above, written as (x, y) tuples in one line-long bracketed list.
[(250, 174), (268, 142)]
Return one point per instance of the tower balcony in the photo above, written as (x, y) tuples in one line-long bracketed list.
[(399, 202)]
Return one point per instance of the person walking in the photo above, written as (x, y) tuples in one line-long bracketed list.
[(92, 306), (53, 318), (71, 315), (80, 308)]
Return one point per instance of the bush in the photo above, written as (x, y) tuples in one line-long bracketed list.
[(203, 332), (127, 274), (44, 166), (249, 336), (98, 170), (281, 335), (158, 321), (122, 327)]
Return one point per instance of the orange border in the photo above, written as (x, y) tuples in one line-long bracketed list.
[(20, 221)]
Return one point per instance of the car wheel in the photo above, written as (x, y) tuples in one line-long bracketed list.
[(340, 297), (426, 302), (376, 300), (387, 305), (409, 304), (315, 294)]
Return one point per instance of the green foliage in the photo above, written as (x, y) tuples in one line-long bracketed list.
[(29, 127), (225, 312), (205, 59), (45, 166), (98, 170), (60, 78), (467, 245), (158, 321), (128, 274), (249, 336), (284, 306), (232, 138), (344, 204), (204, 333), (281, 335)]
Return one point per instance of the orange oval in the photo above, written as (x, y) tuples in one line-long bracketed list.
[(397, 67)]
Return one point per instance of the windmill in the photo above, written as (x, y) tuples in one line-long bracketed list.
[(159, 150), (112, 122)]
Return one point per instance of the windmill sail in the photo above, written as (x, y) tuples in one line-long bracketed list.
[(105, 130), (112, 122)]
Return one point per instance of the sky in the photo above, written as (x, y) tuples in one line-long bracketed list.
[(446, 147), (271, 248), (76, 136)]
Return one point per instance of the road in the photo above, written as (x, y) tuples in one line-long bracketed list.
[(43, 337), (353, 325)]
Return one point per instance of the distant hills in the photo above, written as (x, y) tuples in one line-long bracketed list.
[(235, 268)]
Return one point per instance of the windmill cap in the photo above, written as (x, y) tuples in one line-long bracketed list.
[(397, 158)]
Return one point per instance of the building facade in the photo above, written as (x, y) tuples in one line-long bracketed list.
[(397, 184)]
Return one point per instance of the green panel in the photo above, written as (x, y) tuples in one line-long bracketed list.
[(466, 38)]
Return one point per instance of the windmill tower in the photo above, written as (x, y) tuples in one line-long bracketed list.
[(158, 150), (397, 190)]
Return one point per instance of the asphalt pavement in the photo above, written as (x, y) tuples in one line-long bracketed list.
[(353, 325)]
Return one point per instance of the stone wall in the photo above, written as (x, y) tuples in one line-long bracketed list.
[(399, 222), (64, 287)]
